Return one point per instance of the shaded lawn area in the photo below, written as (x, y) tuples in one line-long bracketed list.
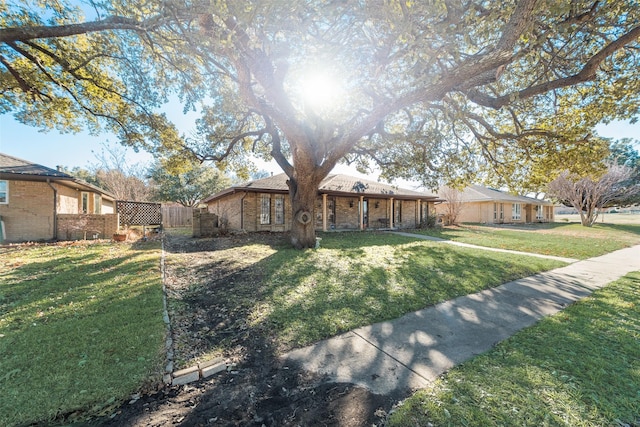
[(558, 239), (81, 328), (580, 368), (354, 279)]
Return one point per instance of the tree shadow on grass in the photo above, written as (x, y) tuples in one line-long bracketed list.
[(629, 228), (580, 364), (84, 330), (290, 298)]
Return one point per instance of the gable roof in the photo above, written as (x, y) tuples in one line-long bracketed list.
[(478, 193), (13, 168), (333, 184)]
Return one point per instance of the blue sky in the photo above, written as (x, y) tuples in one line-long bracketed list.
[(52, 148)]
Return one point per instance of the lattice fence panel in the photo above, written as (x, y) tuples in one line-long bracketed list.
[(139, 213)]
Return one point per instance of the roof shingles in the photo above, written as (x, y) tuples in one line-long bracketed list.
[(333, 183), (18, 169), (13, 165)]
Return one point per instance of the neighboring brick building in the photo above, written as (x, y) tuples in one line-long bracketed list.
[(490, 206), (38, 203), (343, 203)]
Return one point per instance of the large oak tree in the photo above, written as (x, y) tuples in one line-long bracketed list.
[(423, 89)]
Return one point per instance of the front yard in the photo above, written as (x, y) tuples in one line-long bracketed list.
[(81, 329), (559, 239), (81, 324), (293, 298), (579, 368)]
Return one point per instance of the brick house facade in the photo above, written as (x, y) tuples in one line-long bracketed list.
[(343, 203), (38, 203), (490, 206)]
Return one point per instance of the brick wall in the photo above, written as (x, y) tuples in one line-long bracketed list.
[(205, 223), (347, 213), (86, 226), (68, 200), (29, 214)]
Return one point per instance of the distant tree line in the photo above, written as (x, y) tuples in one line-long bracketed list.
[(155, 183)]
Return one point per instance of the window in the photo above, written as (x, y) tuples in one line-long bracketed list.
[(265, 209), (97, 204), (331, 212), (539, 212), (4, 192), (495, 212), (516, 211), (279, 206), (84, 202)]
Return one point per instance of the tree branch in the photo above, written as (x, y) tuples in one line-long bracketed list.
[(587, 73), (47, 31)]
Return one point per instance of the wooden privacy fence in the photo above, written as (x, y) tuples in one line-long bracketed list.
[(177, 216)]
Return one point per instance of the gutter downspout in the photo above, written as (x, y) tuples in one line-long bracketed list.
[(55, 209)]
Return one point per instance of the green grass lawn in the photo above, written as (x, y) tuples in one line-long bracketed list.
[(559, 239), (81, 328), (356, 279), (579, 368), (81, 325)]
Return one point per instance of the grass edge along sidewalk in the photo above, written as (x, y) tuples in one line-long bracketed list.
[(81, 329), (579, 367), (556, 239)]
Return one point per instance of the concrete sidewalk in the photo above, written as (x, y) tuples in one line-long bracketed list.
[(410, 352), (484, 248)]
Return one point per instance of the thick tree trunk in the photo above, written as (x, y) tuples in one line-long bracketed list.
[(303, 192)]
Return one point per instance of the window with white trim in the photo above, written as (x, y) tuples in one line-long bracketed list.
[(97, 204), (4, 192), (265, 209), (516, 211), (539, 212), (84, 202)]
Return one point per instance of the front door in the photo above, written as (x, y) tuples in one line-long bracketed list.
[(365, 213)]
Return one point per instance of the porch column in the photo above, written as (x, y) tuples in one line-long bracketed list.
[(361, 212), (391, 212), (324, 212)]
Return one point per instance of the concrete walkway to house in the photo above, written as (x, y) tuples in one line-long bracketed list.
[(468, 245), (410, 352)]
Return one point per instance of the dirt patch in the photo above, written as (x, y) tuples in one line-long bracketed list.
[(209, 283)]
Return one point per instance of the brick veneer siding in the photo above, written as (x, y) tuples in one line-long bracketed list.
[(241, 211), (86, 226), (482, 212), (68, 200), (205, 223), (29, 214)]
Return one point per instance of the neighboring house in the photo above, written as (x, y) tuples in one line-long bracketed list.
[(490, 206), (38, 203), (343, 203)]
